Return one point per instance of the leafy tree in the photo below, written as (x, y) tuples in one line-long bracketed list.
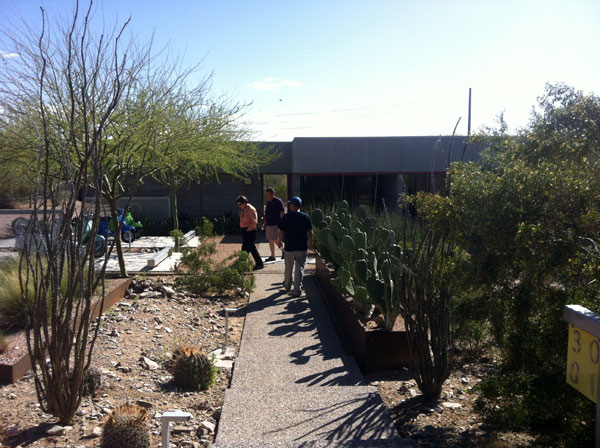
[(527, 216), (129, 145), (17, 177), (202, 138), (58, 98)]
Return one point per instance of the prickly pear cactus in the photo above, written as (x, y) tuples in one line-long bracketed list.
[(193, 370), (343, 282), (318, 219), (127, 427)]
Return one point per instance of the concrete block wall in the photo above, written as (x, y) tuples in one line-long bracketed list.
[(213, 199), (219, 198), (294, 182)]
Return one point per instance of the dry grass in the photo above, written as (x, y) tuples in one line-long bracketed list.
[(3, 343)]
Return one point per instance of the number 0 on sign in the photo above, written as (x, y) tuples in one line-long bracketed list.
[(582, 362)]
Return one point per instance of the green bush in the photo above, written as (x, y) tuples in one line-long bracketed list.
[(177, 235), (526, 215), (204, 274), (205, 229)]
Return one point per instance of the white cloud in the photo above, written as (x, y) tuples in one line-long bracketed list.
[(270, 83), (7, 55), (291, 83)]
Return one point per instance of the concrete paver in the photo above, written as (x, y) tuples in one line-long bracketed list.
[(293, 384)]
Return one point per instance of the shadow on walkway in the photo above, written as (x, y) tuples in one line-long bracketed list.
[(358, 418)]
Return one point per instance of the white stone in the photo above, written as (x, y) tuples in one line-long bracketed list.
[(56, 430), (451, 405), (150, 294), (148, 363), (207, 425), (181, 429), (168, 291), (96, 432), (223, 364)]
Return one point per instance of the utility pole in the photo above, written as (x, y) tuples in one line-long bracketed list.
[(462, 156), (469, 125)]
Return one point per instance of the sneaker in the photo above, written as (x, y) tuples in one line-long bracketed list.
[(296, 293), (270, 259), (257, 267)]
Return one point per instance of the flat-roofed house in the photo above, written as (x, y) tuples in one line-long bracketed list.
[(322, 170)]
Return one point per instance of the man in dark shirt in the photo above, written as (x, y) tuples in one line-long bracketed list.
[(295, 230), (274, 211)]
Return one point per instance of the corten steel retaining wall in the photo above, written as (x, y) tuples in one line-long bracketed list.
[(11, 373), (373, 349)]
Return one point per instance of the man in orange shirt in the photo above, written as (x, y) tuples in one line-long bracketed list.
[(248, 222)]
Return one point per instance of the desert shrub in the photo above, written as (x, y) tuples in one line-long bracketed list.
[(470, 324), (525, 215), (206, 228), (204, 274), (177, 235)]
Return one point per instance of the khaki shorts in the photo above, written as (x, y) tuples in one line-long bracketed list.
[(272, 233)]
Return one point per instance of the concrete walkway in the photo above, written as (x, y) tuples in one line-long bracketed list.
[(293, 384)]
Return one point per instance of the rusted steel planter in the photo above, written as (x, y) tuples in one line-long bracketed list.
[(374, 349), (13, 372)]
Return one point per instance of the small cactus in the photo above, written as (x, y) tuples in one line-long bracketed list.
[(193, 370), (127, 427), (92, 381)]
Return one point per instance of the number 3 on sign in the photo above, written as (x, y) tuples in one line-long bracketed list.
[(582, 362)]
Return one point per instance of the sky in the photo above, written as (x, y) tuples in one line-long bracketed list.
[(344, 68)]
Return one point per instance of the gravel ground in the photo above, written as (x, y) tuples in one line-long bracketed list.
[(135, 342), (450, 422)]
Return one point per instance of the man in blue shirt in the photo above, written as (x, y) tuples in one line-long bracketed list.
[(295, 231)]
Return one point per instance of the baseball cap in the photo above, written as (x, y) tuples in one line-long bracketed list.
[(296, 201)]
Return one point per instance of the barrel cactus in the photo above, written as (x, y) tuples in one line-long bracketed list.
[(127, 427), (193, 370)]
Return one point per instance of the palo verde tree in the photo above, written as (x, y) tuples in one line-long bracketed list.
[(17, 173), (126, 152), (133, 140), (64, 85), (201, 138)]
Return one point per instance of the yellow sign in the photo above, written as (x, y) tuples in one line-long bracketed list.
[(582, 362)]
